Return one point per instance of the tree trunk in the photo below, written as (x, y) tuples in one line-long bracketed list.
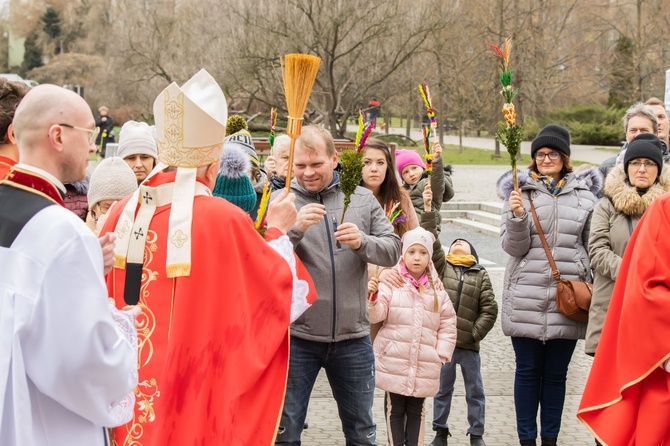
[(408, 129)]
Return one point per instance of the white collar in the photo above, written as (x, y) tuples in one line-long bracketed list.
[(56, 182)]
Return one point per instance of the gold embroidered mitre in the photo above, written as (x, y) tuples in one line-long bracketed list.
[(191, 122), (190, 129)]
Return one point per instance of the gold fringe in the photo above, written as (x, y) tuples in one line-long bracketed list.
[(178, 270), (119, 261)]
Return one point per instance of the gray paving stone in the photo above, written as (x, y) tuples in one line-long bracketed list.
[(498, 374)]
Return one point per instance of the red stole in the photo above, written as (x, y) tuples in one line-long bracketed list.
[(5, 165), (626, 400), (213, 346), (34, 183)]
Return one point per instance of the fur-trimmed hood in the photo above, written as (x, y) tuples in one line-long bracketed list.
[(624, 196), (590, 179), (80, 187)]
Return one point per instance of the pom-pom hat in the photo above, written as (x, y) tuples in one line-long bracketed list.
[(242, 139), (233, 182)]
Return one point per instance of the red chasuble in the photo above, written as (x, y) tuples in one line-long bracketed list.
[(32, 182), (5, 165), (627, 396), (213, 346)]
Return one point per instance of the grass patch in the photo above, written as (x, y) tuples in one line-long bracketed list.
[(609, 149), (471, 155)]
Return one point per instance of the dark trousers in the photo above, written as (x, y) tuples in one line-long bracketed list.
[(471, 365), (404, 419), (350, 367), (539, 382)]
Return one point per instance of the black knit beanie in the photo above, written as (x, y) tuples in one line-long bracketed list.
[(472, 248), (644, 145), (554, 137)]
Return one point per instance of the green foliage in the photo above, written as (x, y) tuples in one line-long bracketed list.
[(236, 123), (595, 133), (531, 127), (351, 174), (510, 136), (592, 124), (33, 53), (51, 22), (622, 73)]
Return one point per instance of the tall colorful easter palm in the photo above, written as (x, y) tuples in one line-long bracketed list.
[(509, 132)]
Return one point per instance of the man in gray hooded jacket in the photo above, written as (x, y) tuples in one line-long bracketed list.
[(335, 332)]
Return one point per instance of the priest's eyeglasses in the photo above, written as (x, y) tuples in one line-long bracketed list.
[(93, 133), (552, 155), (646, 164)]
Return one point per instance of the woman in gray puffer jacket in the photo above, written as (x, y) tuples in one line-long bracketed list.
[(630, 188), (544, 339)]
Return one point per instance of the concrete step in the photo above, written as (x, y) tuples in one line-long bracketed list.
[(481, 216), (484, 217), (475, 225), (495, 207)]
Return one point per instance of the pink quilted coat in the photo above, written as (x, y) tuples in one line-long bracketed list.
[(414, 341)]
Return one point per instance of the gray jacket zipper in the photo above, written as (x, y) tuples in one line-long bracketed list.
[(332, 268)]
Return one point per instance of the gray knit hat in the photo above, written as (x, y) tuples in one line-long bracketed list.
[(111, 180)]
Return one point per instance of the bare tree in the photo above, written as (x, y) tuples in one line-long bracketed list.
[(361, 47)]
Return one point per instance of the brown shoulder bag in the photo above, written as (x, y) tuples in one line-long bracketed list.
[(573, 297)]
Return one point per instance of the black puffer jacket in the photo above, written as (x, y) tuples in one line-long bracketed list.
[(470, 292)]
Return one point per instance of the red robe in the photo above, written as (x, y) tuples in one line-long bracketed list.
[(627, 396), (213, 353), (5, 165)]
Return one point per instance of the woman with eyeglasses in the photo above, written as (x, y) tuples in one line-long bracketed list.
[(544, 339), (629, 190), (111, 181)]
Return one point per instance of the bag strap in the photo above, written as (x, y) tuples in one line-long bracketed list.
[(538, 227)]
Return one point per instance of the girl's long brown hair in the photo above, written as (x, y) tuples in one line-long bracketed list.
[(390, 190)]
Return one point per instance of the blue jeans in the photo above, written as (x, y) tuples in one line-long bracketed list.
[(539, 380), (471, 365), (350, 368)]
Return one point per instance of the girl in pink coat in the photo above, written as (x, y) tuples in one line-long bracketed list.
[(417, 338)]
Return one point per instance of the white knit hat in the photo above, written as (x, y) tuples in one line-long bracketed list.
[(111, 180), (137, 138), (418, 236)]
